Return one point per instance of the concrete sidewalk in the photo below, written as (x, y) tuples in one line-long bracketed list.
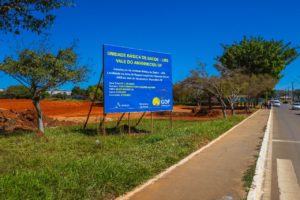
[(216, 173)]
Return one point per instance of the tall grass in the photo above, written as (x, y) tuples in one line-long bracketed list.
[(70, 165)]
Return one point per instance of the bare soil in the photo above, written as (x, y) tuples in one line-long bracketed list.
[(65, 112), (12, 120)]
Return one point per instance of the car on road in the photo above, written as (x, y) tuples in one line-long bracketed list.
[(296, 106), (276, 103)]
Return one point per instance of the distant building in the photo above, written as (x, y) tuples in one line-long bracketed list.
[(63, 92)]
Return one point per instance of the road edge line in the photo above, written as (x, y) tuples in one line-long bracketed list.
[(139, 188), (256, 191)]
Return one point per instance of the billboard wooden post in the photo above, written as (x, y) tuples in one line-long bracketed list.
[(171, 119), (94, 99), (102, 124), (129, 123), (140, 119), (103, 127), (151, 122), (119, 120)]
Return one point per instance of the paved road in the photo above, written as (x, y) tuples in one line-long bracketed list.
[(215, 173), (285, 155)]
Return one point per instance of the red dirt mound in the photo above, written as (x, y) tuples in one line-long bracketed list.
[(11, 120)]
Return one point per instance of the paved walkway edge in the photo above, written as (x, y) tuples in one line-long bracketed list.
[(256, 190), (181, 162)]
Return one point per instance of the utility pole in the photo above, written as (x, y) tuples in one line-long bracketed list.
[(288, 94), (285, 94), (292, 91)]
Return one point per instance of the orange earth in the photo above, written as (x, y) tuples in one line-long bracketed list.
[(77, 111)]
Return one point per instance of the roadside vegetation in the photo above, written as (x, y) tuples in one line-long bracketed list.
[(249, 175), (248, 71), (70, 165)]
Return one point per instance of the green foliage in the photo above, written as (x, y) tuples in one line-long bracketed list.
[(32, 15), (188, 92), (182, 95), (71, 166), (249, 174), (18, 91), (59, 96), (41, 72), (77, 91), (2, 93), (257, 85), (248, 177), (91, 91), (256, 55)]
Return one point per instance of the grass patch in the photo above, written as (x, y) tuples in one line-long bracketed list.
[(248, 177), (71, 166), (250, 173)]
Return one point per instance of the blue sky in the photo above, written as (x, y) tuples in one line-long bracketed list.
[(190, 30)]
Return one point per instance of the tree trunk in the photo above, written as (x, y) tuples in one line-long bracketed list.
[(224, 113), (199, 105), (223, 105), (36, 103), (232, 108), (247, 106), (209, 103), (257, 101)]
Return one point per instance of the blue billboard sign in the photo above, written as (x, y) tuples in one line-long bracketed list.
[(136, 80)]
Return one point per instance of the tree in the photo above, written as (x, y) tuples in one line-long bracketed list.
[(256, 55), (189, 91), (180, 94), (1, 93), (77, 91), (215, 85), (234, 84), (44, 71), (91, 91), (32, 15), (18, 91), (257, 85)]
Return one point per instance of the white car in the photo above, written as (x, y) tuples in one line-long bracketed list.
[(296, 106), (276, 103)]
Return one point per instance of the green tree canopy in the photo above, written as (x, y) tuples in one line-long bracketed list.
[(32, 15), (91, 92), (256, 55), (18, 91), (77, 91), (40, 72)]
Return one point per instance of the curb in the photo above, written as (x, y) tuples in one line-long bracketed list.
[(139, 188), (256, 190)]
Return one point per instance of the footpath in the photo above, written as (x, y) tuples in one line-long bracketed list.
[(216, 172)]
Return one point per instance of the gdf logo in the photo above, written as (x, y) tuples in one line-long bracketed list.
[(165, 101), (155, 101)]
